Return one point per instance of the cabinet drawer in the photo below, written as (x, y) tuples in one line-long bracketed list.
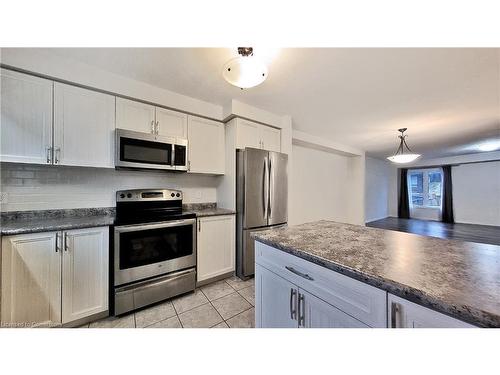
[(362, 301)]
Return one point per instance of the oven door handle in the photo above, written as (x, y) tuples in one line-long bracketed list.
[(166, 224)]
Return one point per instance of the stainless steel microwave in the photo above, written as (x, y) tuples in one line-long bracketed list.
[(150, 151)]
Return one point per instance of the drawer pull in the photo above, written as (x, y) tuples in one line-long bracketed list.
[(298, 273)]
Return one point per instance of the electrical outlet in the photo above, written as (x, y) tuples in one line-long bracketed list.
[(4, 198), (198, 195)]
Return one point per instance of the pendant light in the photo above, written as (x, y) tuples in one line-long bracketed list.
[(400, 156), (246, 70)]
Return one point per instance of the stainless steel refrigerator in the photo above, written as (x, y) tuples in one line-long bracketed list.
[(261, 200)]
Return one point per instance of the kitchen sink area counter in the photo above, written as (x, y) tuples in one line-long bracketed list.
[(458, 279)]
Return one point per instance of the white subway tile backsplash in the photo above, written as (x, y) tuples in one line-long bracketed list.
[(40, 187)]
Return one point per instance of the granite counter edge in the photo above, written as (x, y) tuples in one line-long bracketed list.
[(465, 313)]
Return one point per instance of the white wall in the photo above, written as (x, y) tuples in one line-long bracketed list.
[(476, 193), (380, 189), (40, 187), (324, 186)]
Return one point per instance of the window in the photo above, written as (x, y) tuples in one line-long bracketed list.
[(425, 187)]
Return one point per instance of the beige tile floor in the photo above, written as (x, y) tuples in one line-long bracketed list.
[(227, 303)]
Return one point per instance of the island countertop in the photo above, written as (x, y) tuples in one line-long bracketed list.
[(460, 279)]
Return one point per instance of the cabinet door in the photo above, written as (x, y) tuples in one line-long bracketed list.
[(26, 118), (31, 280), (136, 116), (84, 124), (171, 123), (216, 246), (271, 138), (206, 146), (275, 300), (85, 273), (316, 313), (406, 314), (247, 134)]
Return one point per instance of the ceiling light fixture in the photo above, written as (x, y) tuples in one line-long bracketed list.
[(489, 146), (400, 157), (244, 71)]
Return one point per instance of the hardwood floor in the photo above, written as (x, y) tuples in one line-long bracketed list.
[(464, 232)]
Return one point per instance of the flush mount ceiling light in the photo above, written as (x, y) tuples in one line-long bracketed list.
[(244, 71), (400, 156), (489, 146)]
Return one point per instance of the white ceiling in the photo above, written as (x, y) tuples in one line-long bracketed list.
[(449, 99)]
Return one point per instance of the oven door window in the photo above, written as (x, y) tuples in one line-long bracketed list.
[(142, 151), (149, 246)]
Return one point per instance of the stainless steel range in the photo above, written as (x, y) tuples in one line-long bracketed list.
[(154, 248)]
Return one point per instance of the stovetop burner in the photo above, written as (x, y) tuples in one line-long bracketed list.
[(149, 205)]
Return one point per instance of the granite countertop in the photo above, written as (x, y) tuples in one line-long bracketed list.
[(22, 222), (460, 279), (207, 209)]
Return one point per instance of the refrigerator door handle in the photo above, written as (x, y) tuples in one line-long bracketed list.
[(271, 185), (265, 189)]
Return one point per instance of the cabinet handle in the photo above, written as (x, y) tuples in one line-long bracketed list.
[(189, 166), (302, 310), (395, 310), (293, 310), (49, 154), (66, 242), (153, 127), (298, 273), (57, 151), (58, 246), (199, 225), (157, 127)]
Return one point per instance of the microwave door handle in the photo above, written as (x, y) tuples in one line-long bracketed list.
[(172, 159)]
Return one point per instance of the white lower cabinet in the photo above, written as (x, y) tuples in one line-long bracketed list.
[(316, 313), (85, 273), (215, 246), (405, 314), (282, 304), (53, 278), (277, 298), (31, 280)]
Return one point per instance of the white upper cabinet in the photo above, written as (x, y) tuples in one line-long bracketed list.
[(251, 134), (247, 134), (171, 123), (31, 280), (206, 146), (85, 273), (270, 138), (145, 118), (215, 246), (26, 118), (136, 116), (84, 123)]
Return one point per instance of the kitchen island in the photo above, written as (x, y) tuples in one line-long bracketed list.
[(374, 277)]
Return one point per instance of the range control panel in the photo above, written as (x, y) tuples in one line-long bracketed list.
[(143, 195)]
